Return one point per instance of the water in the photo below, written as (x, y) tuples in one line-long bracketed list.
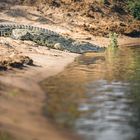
[(98, 96)]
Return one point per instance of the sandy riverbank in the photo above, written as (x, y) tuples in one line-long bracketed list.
[(22, 99)]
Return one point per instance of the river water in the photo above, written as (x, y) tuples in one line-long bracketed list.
[(98, 95)]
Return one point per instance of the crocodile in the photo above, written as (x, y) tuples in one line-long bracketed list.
[(46, 37)]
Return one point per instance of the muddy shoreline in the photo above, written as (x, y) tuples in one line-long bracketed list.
[(25, 99)]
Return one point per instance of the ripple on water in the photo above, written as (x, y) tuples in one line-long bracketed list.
[(101, 95)]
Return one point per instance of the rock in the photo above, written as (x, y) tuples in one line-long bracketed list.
[(57, 46)]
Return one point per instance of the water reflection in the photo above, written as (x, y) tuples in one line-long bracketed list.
[(98, 96)]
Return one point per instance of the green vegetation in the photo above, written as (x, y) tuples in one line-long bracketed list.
[(113, 40), (134, 7)]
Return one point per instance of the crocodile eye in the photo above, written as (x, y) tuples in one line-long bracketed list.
[(7, 34)]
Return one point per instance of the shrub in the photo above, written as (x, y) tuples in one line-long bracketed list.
[(113, 40), (134, 7)]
